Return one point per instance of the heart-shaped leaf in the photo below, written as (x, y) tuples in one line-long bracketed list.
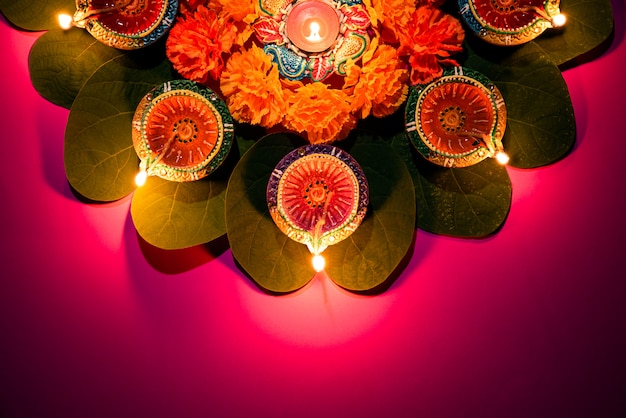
[(36, 14), (172, 215), (370, 255), (60, 62), (100, 161), (273, 261), (464, 202), (540, 128), (361, 262), (589, 24)]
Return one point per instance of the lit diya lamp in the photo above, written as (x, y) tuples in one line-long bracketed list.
[(182, 131), (457, 120), (317, 195), (312, 38), (123, 24), (313, 26), (510, 22)]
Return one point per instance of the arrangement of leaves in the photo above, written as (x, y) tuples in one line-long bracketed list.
[(102, 86)]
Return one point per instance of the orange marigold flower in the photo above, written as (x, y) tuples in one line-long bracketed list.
[(189, 6), (393, 15), (241, 12), (379, 86), (429, 40), (324, 114), (196, 43), (250, 82)]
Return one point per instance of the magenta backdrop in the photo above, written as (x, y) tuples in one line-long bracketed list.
[(528, 323)]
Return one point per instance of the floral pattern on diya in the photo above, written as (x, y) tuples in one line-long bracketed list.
[(509, 22), (457, 120), (317, 195), (278, 28), (126, 24), (181, 131)]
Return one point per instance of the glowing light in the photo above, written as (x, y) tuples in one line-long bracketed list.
[(559, 20), (318, 263), (141, 178), (315, 32), (502, 158), (65, 21)]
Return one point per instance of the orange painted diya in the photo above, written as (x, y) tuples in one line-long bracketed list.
[(317, 195)]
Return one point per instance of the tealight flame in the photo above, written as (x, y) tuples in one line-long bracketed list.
[(141, 178), (65, 21), (315, 32), (502, 157), (318, 263), (559, 20)]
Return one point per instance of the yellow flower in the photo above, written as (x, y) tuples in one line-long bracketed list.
[(250, 83)]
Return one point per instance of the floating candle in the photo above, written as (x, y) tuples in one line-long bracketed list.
[(312, 26), (181, 132), (317, 195)]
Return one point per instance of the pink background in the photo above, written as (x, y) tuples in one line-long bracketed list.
[(528, 323)]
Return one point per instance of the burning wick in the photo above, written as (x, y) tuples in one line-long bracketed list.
[(315, 32), (318, 263), (556, 20), (141, 177), (65, 21)]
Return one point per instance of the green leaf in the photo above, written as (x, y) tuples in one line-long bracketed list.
[(36, 14), (100, 161), (361, 262), (273, 261), (172, 215), (541, 128), (367, 258), (589, 24), (60, 62), (463, 202)]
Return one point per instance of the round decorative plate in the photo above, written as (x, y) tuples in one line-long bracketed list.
[(126, 24), (182, 131), (457, 120), (317, 195), (509, 22), (311, 38)]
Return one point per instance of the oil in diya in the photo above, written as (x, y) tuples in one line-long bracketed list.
[(317, 195)]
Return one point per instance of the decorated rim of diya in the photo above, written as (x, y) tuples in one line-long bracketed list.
[(182, 131), (510, 22), (317, 195), (458, 119), (126, 24), (279, 29)]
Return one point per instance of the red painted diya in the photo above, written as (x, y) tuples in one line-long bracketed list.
[(510, 22), (182, 131), (317, 195), (126, 24), (457, 120)]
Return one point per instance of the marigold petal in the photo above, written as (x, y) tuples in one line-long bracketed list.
[(197, 42), (322, 113), (250, 82)]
